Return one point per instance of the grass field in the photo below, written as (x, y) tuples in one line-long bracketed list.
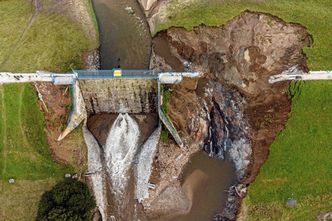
[(299, 164), (44, 42)]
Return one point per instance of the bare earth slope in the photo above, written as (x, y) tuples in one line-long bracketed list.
[(233, 111)]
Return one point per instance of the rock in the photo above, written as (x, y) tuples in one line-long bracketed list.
[(74, 176), (11, 180), (130, 10), (291, 202), (92, 60), (67, 175), (147, 4)]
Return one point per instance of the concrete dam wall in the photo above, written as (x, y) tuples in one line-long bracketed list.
[(120, 95)]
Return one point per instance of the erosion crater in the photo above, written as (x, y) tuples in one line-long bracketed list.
[(232, 112)]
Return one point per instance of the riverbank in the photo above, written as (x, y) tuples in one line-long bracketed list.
[(268, 195), (41, 37)]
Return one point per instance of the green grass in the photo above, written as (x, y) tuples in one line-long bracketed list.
[(299, 164), (25, 153), (20, 201), (166, 95), (50, 42), (314, 14)]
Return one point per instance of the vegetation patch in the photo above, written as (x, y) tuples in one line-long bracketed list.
[(298, 165), (67, 200), (49, 42), (166, 95), (24, 150)]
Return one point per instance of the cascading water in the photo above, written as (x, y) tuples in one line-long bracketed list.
[(112, 165), (144, 165), (120, 149), (95, 168)]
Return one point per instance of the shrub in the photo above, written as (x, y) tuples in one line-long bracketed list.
[(166, 93), (67, 200)]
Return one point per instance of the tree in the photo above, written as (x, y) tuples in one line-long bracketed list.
[(68, 200)]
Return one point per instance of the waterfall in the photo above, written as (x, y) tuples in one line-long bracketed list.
[(120, 149), (144, 165), (111, 167), (95, 169)]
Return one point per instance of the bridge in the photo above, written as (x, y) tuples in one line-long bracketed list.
[(69, 78), (296, 74), (79, 112)]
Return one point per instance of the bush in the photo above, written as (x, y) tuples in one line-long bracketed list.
[(68, 200), (164, 136), (166, 93)]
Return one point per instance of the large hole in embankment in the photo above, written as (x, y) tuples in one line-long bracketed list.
[(232, 113)]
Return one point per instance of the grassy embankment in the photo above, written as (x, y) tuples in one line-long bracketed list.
[(50, 42), (299, 164)]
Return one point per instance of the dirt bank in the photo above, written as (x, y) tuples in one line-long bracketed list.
[(57, 107), (157, 11), (233, 111)]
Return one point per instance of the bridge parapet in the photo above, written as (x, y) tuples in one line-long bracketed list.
[(296, 74)]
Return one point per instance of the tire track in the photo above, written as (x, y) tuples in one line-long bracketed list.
[(20, 103), (36, 4), (4, 134)]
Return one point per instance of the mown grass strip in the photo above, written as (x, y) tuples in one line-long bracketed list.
[(54, 43)]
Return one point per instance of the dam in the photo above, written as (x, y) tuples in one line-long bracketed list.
[(109, 91)]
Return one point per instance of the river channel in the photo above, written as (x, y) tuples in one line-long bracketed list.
[(126, 43), (124, 34)]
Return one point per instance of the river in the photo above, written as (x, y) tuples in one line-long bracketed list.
[(126, 43), (124, 34)]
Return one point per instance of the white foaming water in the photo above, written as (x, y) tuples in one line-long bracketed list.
[(120, 149), (144, 165), (95, 168)]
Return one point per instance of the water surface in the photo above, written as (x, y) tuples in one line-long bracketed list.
[(124, 34), (209, 179)]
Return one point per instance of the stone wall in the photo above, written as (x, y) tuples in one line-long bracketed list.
[(119, 95)]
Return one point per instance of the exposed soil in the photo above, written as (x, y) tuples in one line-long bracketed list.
[(72, 150), (57, 106), (234, 102)]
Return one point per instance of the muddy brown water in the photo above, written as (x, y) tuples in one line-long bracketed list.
[(209, 179), (124, 34), (162, 48)]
